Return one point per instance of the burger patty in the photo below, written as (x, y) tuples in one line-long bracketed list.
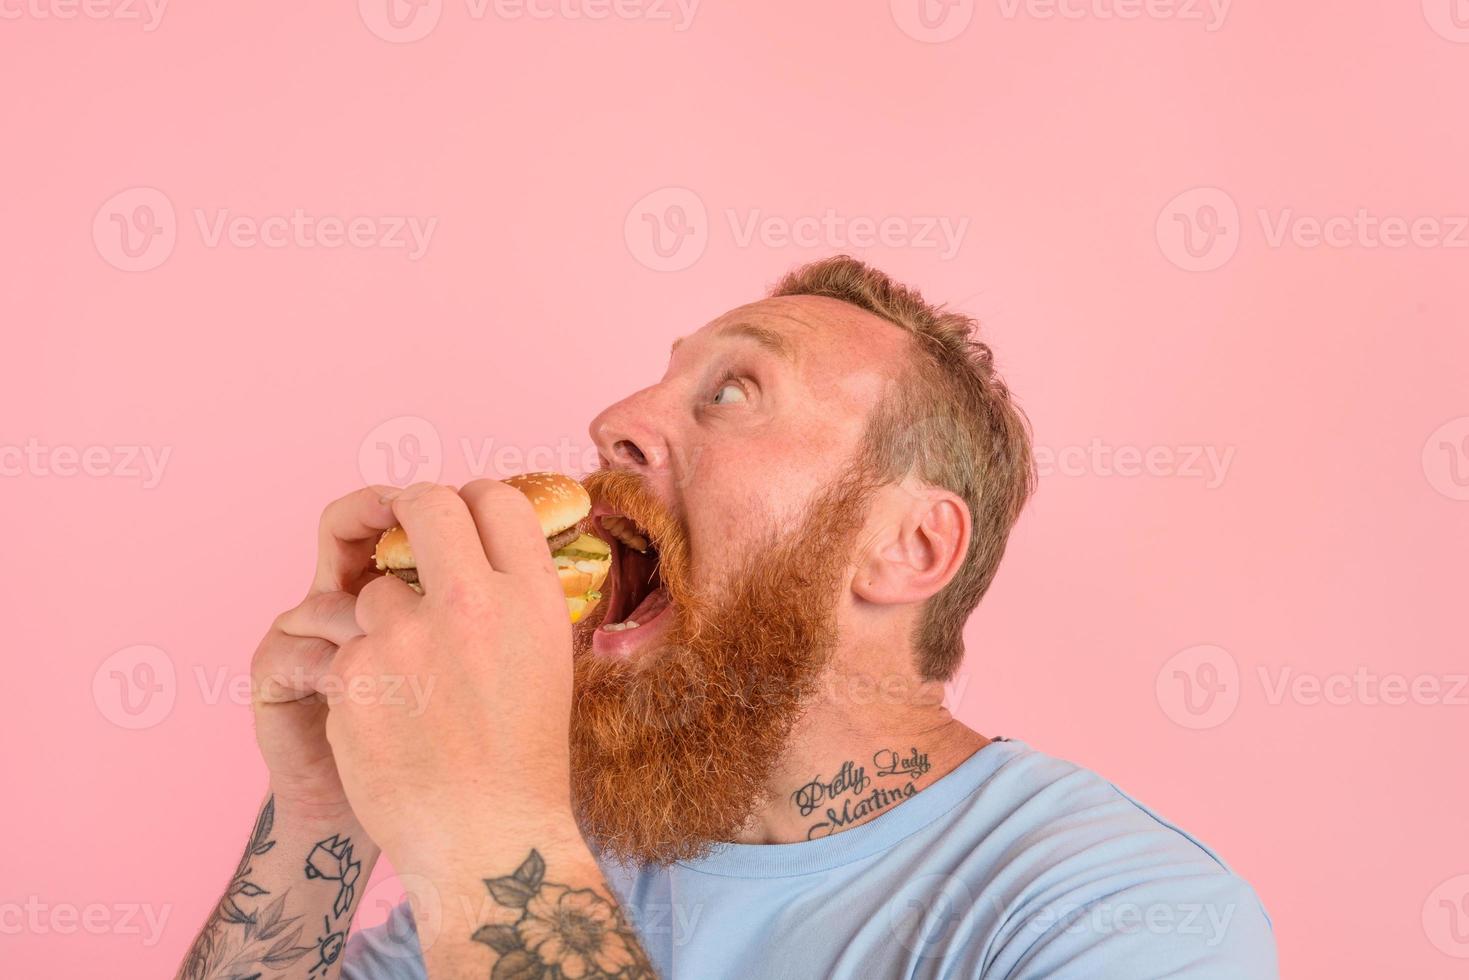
[(559, 541), (555, 542)]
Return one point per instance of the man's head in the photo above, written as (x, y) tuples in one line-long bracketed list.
[(832, 469)]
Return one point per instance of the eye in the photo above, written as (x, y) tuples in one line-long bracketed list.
[(729, 392)]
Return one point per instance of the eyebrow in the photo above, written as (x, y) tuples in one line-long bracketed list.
[(772, 340)]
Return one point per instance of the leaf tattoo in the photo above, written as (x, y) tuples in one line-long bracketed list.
[(265, 938)]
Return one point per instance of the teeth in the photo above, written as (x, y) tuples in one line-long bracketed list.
[(619, 627), (626, 531)]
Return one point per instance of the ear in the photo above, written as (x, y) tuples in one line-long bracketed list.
[(917, 547)]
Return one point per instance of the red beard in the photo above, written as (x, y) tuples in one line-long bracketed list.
[(672, 750)]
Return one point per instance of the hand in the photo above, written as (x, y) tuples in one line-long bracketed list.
[(491, 641), (292, 662)]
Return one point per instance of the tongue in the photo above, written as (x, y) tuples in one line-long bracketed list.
[(653, 603)]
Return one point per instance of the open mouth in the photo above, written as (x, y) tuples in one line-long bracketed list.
[(635, 597)]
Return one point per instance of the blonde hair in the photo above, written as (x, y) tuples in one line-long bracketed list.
[(951, 421)]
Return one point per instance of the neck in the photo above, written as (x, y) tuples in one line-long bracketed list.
[(862, 749)]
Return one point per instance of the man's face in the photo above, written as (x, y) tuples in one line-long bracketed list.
[(739, 467), (756, 413)]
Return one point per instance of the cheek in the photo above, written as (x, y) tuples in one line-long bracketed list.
[(733, 510)]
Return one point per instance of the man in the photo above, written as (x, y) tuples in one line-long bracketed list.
[(745, 769)]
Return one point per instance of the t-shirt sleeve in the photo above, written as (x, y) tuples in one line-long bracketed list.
[(1190, 927), (385, 952)]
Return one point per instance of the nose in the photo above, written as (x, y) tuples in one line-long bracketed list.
[(628, 436)]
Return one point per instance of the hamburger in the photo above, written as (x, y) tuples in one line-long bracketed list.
[(560, 503)]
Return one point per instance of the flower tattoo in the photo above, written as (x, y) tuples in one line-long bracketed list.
[(561, 932)]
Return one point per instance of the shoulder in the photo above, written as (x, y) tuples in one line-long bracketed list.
[(1091, 882)]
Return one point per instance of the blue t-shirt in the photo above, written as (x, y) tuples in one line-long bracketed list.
[(1014, 865)]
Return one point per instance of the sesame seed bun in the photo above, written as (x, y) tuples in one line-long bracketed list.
[(560, 504)]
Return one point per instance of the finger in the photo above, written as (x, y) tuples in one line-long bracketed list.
[(381, 600), (446, 546), (328, 615), (346, 537), (287, 668), (509, 530)]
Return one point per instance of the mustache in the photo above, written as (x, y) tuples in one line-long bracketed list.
[(628, 493)]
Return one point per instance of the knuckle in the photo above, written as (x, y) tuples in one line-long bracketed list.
[(466, 598), (345, 502), (330, 605), (436, 501), (486, 492), (380, 586)]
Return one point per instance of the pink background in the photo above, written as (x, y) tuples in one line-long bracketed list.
[(1331, 548)]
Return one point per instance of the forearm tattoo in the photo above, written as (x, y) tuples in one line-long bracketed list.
[(560, 932), (249, 936), (845, 798)]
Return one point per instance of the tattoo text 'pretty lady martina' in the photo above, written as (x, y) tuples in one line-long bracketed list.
[(843, 794)]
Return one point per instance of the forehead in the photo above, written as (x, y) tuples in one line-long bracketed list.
[(825, 340)]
